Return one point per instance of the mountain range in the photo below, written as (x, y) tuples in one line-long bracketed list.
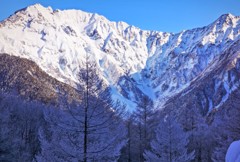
[(46, 48)]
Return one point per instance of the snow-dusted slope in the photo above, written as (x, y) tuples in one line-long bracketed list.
[(58, 40), (186, 54), (132, 61), (233, 153)]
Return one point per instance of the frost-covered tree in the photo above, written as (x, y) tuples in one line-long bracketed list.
[(89, 130), (195, 125), (144, 120), (126, 152), (62, 139), (170, 144), (226, 127), (19, 123), (5, 131), (223, 139)]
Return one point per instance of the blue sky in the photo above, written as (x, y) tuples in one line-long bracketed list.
[(162, 15)]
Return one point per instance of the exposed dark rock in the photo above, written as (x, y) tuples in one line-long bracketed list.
[(25, 78)]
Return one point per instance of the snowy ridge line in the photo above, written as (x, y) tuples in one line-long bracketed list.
[(160, 64)]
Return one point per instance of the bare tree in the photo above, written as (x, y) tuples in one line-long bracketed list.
[(143, 118), (170, 144), (91, 129)]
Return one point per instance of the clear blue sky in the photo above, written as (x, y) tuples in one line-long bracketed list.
[(161, 15)]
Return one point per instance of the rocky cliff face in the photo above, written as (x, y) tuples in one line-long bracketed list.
[(212, 89), (133, 62)]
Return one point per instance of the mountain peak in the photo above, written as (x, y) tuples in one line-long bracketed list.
[(38, 8), (226, 18), (35, 8)]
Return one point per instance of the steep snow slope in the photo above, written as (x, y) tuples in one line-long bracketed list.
[(58, 41), (215, 87), (186, 54), (132, 61)]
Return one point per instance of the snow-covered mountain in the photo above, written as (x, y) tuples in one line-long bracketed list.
[(132, 61)]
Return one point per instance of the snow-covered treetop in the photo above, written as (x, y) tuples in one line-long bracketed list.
[(233, 152)]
